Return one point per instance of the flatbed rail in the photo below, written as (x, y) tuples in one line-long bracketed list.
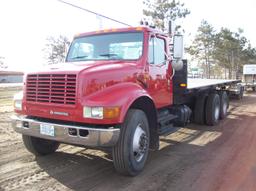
[(195, 83)]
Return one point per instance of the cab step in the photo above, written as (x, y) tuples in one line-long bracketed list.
[(162, 120)]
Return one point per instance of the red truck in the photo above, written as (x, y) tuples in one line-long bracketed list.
[(121, 89)]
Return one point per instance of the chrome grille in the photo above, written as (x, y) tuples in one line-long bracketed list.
[(51, 88)]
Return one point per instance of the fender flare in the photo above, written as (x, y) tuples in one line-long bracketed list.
[(116, 95)]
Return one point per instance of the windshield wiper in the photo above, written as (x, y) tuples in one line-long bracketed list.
[(110, 55), (79, 57)]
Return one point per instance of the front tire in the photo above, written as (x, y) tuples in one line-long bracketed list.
[(39, 146), (131, 151)]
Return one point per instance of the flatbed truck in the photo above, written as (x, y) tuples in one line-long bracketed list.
[(249, 77), (118, 89)]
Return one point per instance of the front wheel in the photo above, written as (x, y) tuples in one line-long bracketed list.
[(131, 151), (39, 146)]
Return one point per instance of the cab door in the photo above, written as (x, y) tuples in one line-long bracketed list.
[(159, 82)]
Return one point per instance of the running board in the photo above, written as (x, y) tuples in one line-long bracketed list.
[(165, 123), (162, 120)]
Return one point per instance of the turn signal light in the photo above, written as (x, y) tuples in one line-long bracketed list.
[(111, 112)]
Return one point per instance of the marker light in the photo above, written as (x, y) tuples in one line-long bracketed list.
[(183, 85)]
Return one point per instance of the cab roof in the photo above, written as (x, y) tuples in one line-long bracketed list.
[(127, 29)]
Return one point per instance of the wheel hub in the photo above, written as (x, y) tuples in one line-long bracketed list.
[(140, 143)]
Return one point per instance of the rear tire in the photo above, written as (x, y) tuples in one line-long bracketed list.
[(39, 146), (199, 110), (212, 110), (224, 104), (241, 93), (131, 151)]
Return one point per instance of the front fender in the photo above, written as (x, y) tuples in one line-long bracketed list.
[(121, 95)]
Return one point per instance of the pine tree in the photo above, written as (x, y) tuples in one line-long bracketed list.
[(230, 51), (202, 47), (162, 11)]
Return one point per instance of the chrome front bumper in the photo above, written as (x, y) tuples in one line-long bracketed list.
[(93, 136)]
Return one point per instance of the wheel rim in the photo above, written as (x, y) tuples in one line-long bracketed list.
[(140, 143), (217, 112)]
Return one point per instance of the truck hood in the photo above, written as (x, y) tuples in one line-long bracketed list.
[(77, 67)]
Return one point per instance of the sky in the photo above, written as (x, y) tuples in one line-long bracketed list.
[(26, 24)]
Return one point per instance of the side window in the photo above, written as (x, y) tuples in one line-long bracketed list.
[(151, 51), (159, 51), (156, 54)]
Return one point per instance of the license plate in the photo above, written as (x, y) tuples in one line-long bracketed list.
[(46, 129)]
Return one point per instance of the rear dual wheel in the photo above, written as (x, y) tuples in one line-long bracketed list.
[(224, 104), (199, 111), (210, 108)]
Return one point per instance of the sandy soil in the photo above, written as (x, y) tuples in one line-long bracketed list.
[(196, 158)]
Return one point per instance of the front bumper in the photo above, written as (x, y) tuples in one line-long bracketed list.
[(89, 137)]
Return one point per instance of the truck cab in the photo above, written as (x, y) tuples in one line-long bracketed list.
[(101, 69)]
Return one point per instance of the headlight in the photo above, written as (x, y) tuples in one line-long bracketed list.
[(18, 100), (101, 112), (18, 104), (93, 112)]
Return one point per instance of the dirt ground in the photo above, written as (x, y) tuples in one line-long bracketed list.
[(196, 158)]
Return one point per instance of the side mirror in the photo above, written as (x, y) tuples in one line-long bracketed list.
[(178, 50), (178, 47)]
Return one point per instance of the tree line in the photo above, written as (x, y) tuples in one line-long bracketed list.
[(221, 52)]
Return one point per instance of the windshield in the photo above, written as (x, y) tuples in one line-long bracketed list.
[(112, 46)]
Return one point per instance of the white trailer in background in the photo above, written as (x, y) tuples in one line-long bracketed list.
[(249, 76)]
